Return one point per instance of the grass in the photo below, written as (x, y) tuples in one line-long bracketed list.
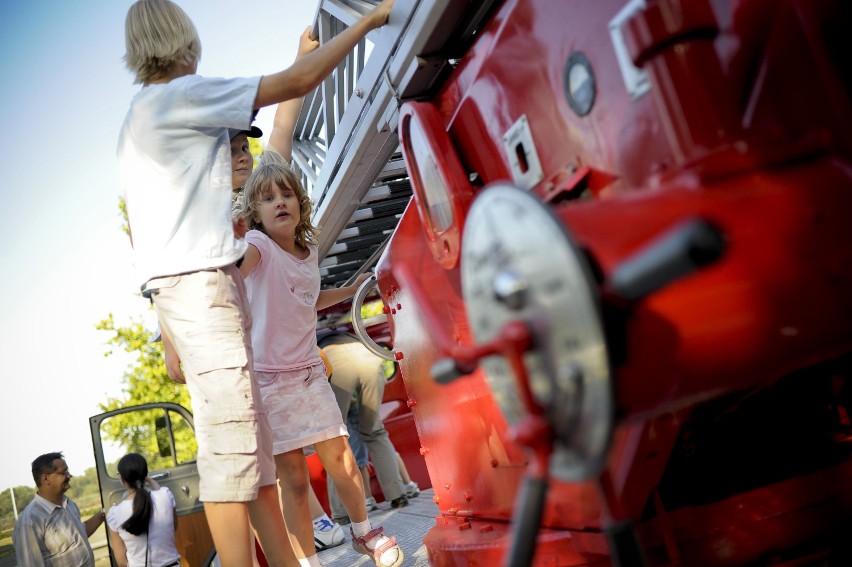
[(6, 547)]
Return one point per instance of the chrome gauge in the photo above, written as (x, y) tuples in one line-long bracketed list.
[(519, 264)]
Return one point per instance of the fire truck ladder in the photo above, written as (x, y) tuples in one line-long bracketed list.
[(345, 144)]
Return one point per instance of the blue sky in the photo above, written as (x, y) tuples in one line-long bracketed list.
[(66, 263)]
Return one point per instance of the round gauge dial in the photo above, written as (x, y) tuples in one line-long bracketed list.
[(520, 264)]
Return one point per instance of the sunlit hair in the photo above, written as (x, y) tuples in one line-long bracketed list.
[(133, 469), (44, 464), (260, 182), (158, 36)]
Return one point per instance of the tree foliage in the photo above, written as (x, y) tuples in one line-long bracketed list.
[(122, 207), (145, 381), (256, 149), (23, 496)]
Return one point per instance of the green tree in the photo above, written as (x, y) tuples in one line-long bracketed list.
[(256, 149), (122, 207), (372, 308), (145, 381), (84, 487), (23, 496)]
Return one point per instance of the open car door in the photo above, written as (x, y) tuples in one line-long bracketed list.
[(164, 434)]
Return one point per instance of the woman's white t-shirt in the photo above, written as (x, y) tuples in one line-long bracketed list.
[(160, 540)]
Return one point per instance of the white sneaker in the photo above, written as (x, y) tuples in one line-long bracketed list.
[(384, 550), (327, 534), (371, 505), (411, 489)]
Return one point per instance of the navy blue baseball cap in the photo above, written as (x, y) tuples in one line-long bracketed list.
[(253, 132)]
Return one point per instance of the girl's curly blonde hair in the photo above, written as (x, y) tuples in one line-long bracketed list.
[(260, 181)]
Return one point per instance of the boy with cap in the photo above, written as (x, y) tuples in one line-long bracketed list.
[(173, 161), (242, 162)]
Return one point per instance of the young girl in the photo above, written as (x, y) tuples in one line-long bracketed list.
[(142, 526), (283, 283)]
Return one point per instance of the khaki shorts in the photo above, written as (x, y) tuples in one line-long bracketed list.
[(207, 317)]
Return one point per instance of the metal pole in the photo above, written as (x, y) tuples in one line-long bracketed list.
[(14, 505)]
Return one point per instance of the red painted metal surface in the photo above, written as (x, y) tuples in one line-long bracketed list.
[(727, 447)]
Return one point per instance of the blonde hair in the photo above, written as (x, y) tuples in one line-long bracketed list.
[(260, 181), (158, 35)]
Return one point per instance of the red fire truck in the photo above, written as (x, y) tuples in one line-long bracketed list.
[(620, 295), (612, 245)]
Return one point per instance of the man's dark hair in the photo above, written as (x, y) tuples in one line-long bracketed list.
[(44, 465)]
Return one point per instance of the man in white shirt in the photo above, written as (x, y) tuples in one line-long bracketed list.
[(50, 531)]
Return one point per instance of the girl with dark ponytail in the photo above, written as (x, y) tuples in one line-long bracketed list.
[(142, 526), (133, 470)]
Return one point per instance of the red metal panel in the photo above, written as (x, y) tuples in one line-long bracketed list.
[(747, 125)]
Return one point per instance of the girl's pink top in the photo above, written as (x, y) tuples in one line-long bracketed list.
[(283, 292)]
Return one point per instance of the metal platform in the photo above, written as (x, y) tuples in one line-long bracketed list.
[(409, 525)]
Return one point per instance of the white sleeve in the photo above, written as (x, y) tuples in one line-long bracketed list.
[(170, 495), (216, 102)]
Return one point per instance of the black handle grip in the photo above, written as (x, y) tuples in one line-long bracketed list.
[(527, 521), (680, 251), (446, 370)]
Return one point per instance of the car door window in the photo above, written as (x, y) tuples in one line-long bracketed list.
[(162, 436)]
